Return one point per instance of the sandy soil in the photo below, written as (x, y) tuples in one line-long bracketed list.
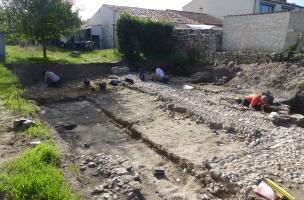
[(163, 136), (97, 130)]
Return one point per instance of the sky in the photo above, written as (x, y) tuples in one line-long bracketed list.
[(89, 7)]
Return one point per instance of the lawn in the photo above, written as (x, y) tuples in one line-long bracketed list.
[(16, 54), (35, 173)]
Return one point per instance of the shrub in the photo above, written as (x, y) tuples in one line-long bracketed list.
[(142, 38)]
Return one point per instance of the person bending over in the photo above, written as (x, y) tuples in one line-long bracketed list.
[(257, 102), (52, 79)]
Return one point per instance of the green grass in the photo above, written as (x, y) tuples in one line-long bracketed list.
[(16, 54), (301, 84), (34, 175), (38, 130), (10, 92), (73, 168)]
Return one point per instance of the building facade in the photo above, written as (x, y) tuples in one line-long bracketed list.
[(220, 8), (265, 32), (107, 16)]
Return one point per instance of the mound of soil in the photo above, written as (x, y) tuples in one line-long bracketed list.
[(282, 79)]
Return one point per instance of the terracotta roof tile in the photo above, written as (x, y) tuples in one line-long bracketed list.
[(177, 17)]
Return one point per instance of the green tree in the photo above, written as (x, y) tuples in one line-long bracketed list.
[(42, 20)]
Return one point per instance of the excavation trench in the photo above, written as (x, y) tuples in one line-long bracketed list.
[(138, 127), (98, 131)]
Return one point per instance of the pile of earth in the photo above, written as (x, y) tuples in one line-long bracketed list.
[(282, 79)]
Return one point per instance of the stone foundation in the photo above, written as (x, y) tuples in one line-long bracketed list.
[(206, 42), (241, 57)]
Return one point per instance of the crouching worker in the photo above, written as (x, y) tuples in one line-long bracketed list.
[(52, 79), (256, 102), (160, 75)]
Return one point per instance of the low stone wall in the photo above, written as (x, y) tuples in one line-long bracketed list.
[(241, 57), (206, 42)]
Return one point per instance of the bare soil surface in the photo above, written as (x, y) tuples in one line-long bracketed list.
[(11, 143), (101, 135), (209, 146), (280, 78)]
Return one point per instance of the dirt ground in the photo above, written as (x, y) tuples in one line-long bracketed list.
[(149, 129), (96, 129), (11, 143)]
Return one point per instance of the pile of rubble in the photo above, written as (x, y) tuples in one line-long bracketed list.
[(119, 181)]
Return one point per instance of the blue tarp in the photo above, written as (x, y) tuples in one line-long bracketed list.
[(2, 49)]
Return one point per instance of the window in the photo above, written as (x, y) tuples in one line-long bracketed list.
[(264, 8), (285, 8)]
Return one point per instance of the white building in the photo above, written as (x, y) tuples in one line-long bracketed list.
[(221, 8), (107, 16)]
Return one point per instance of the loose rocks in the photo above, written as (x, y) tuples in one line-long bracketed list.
[(117, 176)]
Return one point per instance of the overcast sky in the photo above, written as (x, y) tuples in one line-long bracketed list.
[(89, 7)]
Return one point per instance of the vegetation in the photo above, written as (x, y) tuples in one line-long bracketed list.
[(10, 91), (140, 38), (16, 54), (41, 20), (34, 175), (301, 84), (148, 42)]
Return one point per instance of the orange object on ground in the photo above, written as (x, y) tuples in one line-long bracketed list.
[(254, 100)]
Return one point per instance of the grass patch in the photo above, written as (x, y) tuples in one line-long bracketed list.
[(301, 84), (38, 130), (16, 54), (34, 175), (10, 92), (73, 168)]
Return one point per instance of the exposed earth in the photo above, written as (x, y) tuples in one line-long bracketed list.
[(208, 146)]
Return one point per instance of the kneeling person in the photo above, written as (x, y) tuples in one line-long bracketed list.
[(52, 79), (256, 102)]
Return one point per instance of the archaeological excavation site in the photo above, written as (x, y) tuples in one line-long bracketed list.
[(187, 139)]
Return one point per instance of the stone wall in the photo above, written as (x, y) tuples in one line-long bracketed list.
[(207, 42), (240, 57), (266, 32)]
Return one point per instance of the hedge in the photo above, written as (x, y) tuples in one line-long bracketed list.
[(142, 38)]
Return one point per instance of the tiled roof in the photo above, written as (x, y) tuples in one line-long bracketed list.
[(201, 18), (161, 15)]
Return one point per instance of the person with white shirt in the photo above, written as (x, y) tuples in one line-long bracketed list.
[(52, 79), (160, 75)]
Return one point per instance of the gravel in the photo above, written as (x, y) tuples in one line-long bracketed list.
[(117, 180), (268, 150)]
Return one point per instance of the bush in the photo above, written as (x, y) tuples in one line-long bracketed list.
[(142, 38), (285, 55)]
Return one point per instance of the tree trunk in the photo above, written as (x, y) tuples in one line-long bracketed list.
[(44, 49)]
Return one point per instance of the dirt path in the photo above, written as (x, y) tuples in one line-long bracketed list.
[(10, 142), (98, 131)]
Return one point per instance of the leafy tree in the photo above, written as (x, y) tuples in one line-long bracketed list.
[(42, 20)]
